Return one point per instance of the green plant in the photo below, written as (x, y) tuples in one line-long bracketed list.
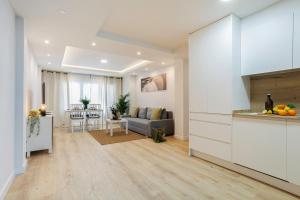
[(158, 135), (33, 123), (115, 112), (85, 102), (123, 104)]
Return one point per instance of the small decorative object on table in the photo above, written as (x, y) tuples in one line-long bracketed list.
[(269, 105), (85, 102), (115, 113), (158, 135), (33, 123), (123, 104), (43, 109)]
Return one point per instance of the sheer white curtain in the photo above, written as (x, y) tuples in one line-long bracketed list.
[(65, 89), (56, 95)]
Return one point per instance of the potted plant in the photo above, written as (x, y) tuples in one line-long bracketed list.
[(85, 102), (33, 123), (123, 104), (115, 113), (158, 135)]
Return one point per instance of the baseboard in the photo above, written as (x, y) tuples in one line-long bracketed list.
[(22, 169), (181, 137), (6, 186)]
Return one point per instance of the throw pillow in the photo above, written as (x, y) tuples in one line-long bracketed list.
[(143, 113), (155, 114), (134, 112), (164, 114), (149, 111)]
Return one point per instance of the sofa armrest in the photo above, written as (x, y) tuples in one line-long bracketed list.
[(167, 124)]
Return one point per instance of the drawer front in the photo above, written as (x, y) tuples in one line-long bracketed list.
[(211, 147), (215, 131), (207, 117)]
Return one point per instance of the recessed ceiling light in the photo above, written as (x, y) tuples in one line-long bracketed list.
[(138, 53), (63, 12), (163, 63), (146, 69), (225, 0), (49, 63), (48, 55), (47, 42), (103, 61), (94, 44)]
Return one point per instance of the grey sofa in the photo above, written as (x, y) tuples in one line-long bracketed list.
[(146, 126)]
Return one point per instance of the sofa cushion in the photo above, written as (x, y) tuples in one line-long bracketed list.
[(149, 112), (134, 112), (143, 113), (155, 114), (139, 123), (164, 114)]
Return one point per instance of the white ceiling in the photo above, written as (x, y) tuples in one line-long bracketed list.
[(120, 28)]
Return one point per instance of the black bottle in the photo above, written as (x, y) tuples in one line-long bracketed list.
[(269, 105)]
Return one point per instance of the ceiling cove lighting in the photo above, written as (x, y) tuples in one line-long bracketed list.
[(47, 42), (94, 44), (104, 61), (139, 64)]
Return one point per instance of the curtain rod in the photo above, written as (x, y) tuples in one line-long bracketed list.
[(52, 71)]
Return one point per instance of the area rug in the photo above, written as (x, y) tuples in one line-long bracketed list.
[(119, 136)]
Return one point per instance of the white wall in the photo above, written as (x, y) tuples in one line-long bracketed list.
[(7, 91), (129, 86), (165, 99)]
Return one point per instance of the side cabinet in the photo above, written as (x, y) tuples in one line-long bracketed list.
[(260, 145), (293, 152)]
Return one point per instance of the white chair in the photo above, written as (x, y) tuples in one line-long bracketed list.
[(77, 116), (93, 115), (76, 107)]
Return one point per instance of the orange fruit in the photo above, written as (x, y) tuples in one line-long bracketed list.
[(282, 112), (292, 112), (281, 106)]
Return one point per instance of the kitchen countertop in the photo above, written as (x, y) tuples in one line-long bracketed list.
[(255, 115)]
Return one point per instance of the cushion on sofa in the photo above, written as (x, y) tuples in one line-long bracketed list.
[(164, 114), (149, 111), (143, 113), (134, 112), (155, 114)]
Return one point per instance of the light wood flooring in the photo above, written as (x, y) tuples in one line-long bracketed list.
[(80, 168)]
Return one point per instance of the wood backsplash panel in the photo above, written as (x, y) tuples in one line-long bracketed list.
[(284, 88)]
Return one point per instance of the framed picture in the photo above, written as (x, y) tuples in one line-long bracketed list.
[(155, 83)]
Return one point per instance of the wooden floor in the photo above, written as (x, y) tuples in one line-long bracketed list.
[(80, 168)]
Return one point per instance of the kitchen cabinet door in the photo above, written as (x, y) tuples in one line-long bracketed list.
[(260, 145), (267, 41), (296, 56), (293, 152), (197, 72), (218, 59)]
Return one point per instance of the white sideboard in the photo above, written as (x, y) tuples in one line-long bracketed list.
[(43, 141)]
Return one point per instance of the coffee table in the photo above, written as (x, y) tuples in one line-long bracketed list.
[(111, 122)]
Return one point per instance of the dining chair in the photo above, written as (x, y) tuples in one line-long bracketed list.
[(93, 115), (76, 107), (77, 116)]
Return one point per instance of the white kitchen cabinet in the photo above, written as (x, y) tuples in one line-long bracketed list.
[(214, 58), (296, 57), (267, 41), (197, 80), (293, 152), (260, 145)]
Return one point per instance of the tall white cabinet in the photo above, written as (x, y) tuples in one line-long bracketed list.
[(296, 56), (216, 87)]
